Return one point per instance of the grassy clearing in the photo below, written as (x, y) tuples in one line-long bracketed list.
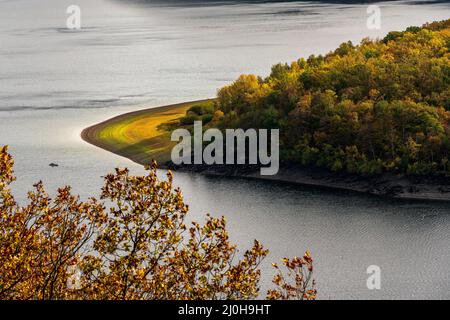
[(141, 135)]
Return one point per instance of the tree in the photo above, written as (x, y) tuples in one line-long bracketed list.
[(376, 98), (138, 248)]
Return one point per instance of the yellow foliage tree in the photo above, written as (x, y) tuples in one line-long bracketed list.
[(138, 248)]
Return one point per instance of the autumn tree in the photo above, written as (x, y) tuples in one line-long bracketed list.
[(379, 106), (131, 244)]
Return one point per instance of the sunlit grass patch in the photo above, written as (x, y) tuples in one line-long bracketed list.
[(142, 135)]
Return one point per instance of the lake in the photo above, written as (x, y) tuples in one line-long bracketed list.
[(136, 54)]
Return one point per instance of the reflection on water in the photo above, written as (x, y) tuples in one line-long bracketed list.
[(53, 83)]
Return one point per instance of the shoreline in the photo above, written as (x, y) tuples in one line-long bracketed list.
[(138, 136), (386, 186)]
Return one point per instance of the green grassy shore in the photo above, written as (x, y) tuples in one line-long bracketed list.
[(140, 135)]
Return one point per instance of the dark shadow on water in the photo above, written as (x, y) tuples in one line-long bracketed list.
[(325, 194)]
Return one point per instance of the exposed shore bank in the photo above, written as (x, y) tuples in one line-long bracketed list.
[(140, 136)]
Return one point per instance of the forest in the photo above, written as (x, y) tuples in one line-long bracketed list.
[(380, 106)]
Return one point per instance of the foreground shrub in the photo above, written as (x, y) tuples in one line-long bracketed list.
[(131, 244)]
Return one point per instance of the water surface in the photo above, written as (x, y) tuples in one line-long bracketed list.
[(136, 54)]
